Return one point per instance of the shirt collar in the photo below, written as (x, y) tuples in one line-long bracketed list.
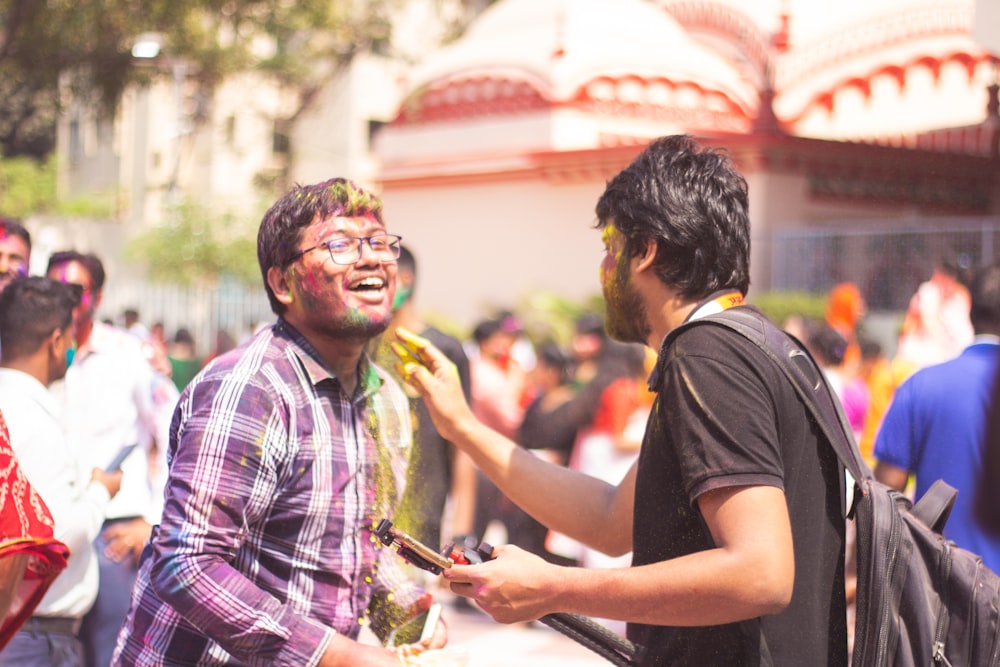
[(713, 304), (97, 341), (716, 303), (369, 377)]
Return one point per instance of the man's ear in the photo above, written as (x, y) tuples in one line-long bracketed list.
[(55, 344), (404, 278), (647, 258), (278, 283)]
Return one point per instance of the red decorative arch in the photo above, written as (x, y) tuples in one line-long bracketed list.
[(486, 95), (469, 97), (826, 99)]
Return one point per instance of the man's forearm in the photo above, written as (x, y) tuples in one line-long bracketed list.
[(707, 588), (891, 475)]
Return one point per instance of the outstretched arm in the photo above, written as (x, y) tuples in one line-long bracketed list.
[(585, 508), (748, 574)]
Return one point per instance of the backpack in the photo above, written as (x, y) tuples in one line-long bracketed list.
[(921, 600)]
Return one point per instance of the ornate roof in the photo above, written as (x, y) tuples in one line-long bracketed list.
[(625, 58), (873, 70)]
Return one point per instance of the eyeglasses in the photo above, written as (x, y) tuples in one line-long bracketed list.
[(347, 250)]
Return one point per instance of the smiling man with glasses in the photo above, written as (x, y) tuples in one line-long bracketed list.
[(285, 453)]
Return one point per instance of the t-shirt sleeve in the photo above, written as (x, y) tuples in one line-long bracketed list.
[(721, 413)]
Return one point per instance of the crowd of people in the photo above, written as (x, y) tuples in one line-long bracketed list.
[(168, 509)]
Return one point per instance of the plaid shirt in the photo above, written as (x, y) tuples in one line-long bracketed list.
[(266, 547)]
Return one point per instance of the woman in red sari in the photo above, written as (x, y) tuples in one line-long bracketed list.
[(30, 557)]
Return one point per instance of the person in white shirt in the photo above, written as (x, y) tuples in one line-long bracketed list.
[(111, 398), (35, 323)]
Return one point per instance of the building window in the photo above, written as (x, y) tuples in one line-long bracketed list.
[(75, 149), (281, 143)]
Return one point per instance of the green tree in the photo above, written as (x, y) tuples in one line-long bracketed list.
[(85, 46), (195, 247), (26, 186)]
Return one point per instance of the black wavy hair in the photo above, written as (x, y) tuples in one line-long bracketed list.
[(693, 202)]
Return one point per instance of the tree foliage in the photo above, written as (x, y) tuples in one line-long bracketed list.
[(86, 44), (195, 247), (26, 186)]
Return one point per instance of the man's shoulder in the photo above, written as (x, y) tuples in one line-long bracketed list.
[(960, 371), (20, 387), (711, 336)]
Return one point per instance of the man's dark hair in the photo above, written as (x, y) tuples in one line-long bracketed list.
[(14, 227), (826, 344), (590, 324), (281, 227), (984, 295), (31, 308), (89, 261), (407, 262), (485, 329), (690, 200)]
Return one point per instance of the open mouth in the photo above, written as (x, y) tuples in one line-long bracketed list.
[(371, 289), (370, 284)]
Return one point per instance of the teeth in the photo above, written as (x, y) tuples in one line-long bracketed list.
[(370, 283)]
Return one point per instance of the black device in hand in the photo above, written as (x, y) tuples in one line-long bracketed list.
[(581, 629), (417, 553), (116, 463)]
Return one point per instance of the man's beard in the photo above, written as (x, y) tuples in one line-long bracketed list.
[(627, 320), (355, 326)]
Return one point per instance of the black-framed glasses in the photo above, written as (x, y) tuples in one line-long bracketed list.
[(347, 250)]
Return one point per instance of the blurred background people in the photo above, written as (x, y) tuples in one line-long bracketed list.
[(499, 389), (184, 360), (936, 326), (829, 348), (15, 250), (111, 397), (548, 429), (845, 308), (36, 316), (436, 471), (935, 427)]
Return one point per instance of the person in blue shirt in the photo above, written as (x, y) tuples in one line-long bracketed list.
[(935, 427)]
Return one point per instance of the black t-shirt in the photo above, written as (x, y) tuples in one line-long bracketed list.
[(726, 416)]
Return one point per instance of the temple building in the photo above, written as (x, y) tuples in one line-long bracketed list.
[(868, 133)]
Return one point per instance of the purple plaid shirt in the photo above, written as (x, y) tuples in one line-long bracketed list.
[(266, 546)]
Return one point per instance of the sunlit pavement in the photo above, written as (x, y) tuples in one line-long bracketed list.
[(491, 644)]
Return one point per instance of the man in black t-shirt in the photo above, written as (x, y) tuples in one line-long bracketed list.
[(733, 509)]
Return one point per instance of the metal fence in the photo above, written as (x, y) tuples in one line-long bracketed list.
[(887, 262), (204, 311)]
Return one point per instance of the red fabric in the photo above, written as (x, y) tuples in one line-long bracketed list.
[(25, 528)]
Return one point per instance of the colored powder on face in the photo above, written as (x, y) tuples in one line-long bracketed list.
[(402, 296)]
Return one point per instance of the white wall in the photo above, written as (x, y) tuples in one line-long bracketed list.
[(482, 246)]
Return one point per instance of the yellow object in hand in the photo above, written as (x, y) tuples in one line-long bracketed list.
[(409, 349)]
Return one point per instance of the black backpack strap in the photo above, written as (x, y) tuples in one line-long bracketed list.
[(805, 375), (934, 507)]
